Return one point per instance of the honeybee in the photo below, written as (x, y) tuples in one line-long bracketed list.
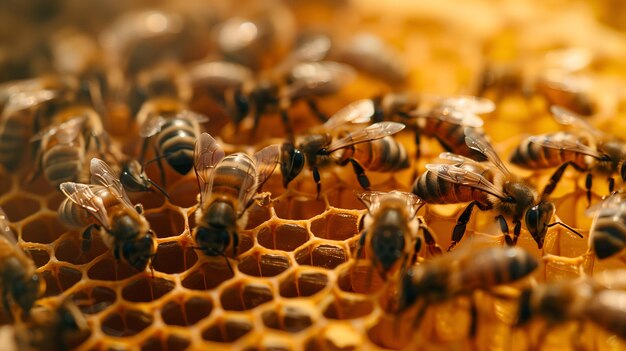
[(487, 187), (19, 282), (245, 94), (104, 206), (581, 300), (444, 278), (390, 238), (317, 148), (228, 185), (165, 121), (608, 229)]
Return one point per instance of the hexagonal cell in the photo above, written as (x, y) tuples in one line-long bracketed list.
[(39, 256), (7, 184), (166, 223), (148, 199), (302, 283), (44, 230), (70, 250), (348, 308), (321, 255), (360, 278), (246, 242), (285, 237), (336, 225), (185, 312), (184, 194), (209, 275), (289, 318), (257, 215), (123, 322), (227, 331), (261, 264), (172, 343), (392, 333), (94, 299), (146, 289), (19, 207), (173, 258), (60, 278), (299, 208), (55, 201), (108, 268), (37, 186), (241, 296)]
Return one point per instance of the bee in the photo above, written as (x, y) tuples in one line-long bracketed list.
[(20, 283), (487, 185), (246, 94), (586, 150), (444, 278), (316, 149), (165, 121), (608, 229), (134, 178), (581, 300), (390, 238), (104, 206), (228, 185)]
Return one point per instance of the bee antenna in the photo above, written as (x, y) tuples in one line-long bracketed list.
[(567, 227), (160, 189), (228, 264)]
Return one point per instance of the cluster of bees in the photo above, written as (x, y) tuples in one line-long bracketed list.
[(63, 118)]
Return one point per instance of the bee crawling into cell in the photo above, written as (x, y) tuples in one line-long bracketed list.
[(104, 206), (390, 238), (487, 185), (228, 185)]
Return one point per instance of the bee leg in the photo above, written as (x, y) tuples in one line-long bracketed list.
[(284, 117), (421, 312), (144, 150), (235, 244), (364, 182), (316, 111), (86, 244), (5, 301), (555, 178), (318, 181), (504, 228), (258, 112), (473, 317), (588, 184), (516, 231), (611, 181), (38, 165), (417, 139), (160, 164), (461, 223)]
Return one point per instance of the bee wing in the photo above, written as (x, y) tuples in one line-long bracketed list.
[(265, 162), (373, 132), (317, 78), (151, 126), (207, 154), (473, 104), (476, 141), (5, 229), (613, 200), (454, 158), (219, 75), (571, 118), (360, 111), (102, 174), (24, 100), (312, 50), (565, 144), (463, 117), (462, 176), (191, 115), (83, 195), (371, 199)]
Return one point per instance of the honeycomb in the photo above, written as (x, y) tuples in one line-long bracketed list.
[(296, 283)]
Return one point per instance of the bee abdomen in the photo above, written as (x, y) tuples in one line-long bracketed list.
[(73, 215), (536, 156), (435, 190), (609, 234), (496, 266), (235, 172), (176, 140), (13, 138), (382, 155), (62, 163)]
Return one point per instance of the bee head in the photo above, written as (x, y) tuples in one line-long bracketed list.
[(537, 220), (239, 105), (26, 292), (133, 178), (213, 241), (291, 162), (125, 226), (214, 237), (139, 252)]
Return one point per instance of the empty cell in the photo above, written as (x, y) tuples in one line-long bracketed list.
[(70, 250), (299, 284), (39, 256), (44, 229), (263, 265), (285, 237), (19, 207), (60, 278), (246, 242), (146, 289), (37, 186), (336, 225), (348, 308), (172, 343), (184, 194), (360, 278), (122, 322), (227, 330), (325, 256), (289, 319), (166, 223), (241, 296), (55, 201), (298, 208), (148, 199), (94, 299), (257, 215), (186, 313), (173, 258), (209, 275), (108, 268)]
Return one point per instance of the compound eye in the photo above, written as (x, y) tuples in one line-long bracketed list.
[(292, 162)]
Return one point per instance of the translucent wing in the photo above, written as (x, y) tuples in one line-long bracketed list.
[(219, 75), (373, 132), (476, 141), (463, 117), (454, 158), (24, 100), (102, 174), (187, 114), (65, 132), (570, 118), (311, 50), (84, 196), (469, 103), (371, 199), (151, 126), (317, 78), (265, 161), (5, 229), (564, 144), (462, 176), (360, 111), (207, 154)]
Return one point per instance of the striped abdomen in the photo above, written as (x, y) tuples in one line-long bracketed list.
[(536, 156), (381, 155), (609, 231), (14, 134), (450, 136), (233, 176), (75, 216), (435, 190), (176, 140), (63, 163)]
